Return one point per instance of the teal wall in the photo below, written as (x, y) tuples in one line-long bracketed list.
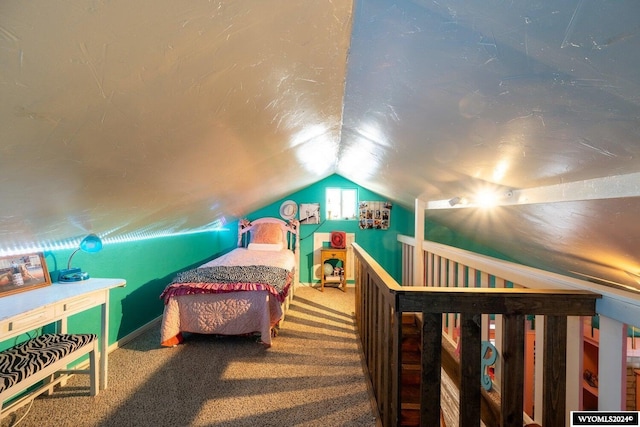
[(381, 244), (439, 233)]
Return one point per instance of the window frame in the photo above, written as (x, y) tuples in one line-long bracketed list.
[(342, 191)]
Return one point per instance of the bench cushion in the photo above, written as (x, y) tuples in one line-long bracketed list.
[(31, 356)]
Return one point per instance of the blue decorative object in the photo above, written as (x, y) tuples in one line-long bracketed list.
[(486, 362), (90, 244)]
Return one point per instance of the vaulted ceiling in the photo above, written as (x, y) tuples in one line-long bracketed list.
[(156, 116)]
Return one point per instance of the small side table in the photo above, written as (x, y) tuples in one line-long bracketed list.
[(327, 254)]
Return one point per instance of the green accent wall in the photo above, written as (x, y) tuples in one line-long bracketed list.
[(438, 233), (381, 244)]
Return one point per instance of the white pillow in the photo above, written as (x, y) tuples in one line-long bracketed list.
[(275, 247)]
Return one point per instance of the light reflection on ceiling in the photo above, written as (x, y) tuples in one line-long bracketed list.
[(149, 118)]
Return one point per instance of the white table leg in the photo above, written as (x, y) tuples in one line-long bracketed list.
[(104, 342)]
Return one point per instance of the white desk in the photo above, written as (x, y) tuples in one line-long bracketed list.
[(26, 311)]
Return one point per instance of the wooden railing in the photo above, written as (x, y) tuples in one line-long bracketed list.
[(381, 302)]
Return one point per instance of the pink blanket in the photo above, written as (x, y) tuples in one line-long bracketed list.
[(177, 289)]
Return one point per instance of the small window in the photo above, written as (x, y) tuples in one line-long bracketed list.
[(341, 203)]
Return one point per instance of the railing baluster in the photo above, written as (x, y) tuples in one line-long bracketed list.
[(497, 324), (387, 356), (512, 367), (427, 270), (375, 338), (469, 402), (393, 399), (554, 385), (451, 282), (431, 373)]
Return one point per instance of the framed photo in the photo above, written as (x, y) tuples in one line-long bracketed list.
[(375, 215), (20, 273), (309, 213)]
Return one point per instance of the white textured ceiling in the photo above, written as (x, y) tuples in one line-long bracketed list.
[(141, 117)]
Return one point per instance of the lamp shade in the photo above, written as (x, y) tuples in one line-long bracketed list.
[(90, 244)]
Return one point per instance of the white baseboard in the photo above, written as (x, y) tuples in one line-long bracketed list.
[(135, 334)]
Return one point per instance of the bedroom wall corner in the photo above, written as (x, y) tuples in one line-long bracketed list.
[(381, 244)]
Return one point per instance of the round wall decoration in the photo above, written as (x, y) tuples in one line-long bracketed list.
[(338, 239), (288, 209)]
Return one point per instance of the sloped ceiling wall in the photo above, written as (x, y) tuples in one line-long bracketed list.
[(135, 118), (147, 117), (537, 101)]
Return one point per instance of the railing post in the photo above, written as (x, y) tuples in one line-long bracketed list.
[(469, 402), (554, 387), (431, 380), (512, 368)]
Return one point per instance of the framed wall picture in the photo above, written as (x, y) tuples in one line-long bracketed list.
[(20, 273), (374, 215), (309, 213)]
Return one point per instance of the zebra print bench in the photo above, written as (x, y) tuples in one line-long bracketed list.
[(40, 359)]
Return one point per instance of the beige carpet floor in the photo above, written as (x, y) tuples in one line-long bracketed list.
[(311, 376)]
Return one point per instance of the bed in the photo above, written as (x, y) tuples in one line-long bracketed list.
[(245, 291)]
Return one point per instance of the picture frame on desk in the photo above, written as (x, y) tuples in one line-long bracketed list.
[(21, 273)]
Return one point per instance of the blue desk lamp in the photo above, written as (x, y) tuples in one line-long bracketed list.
[(90, 244)]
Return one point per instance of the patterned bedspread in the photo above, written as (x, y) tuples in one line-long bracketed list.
[(221, 279), (241, 292)]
